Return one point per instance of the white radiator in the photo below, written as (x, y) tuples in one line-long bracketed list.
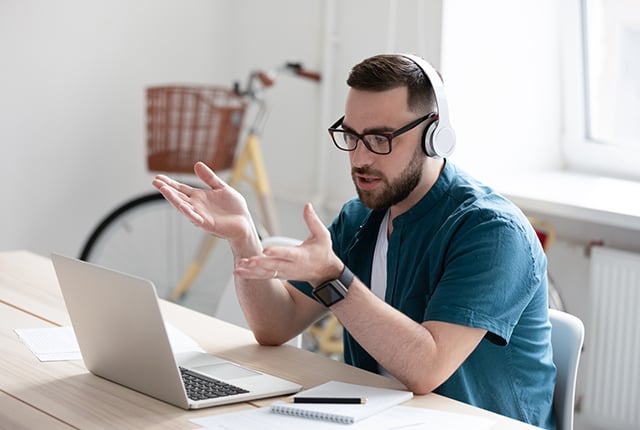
[(612, 342)]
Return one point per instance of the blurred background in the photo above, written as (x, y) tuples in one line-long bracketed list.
[(544, 96)]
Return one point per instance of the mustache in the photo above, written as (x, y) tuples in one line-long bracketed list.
[(365, 171)]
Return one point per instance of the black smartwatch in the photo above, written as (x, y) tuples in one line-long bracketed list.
[(332, 292)]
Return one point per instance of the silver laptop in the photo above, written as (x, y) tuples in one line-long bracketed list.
[(122, 336)]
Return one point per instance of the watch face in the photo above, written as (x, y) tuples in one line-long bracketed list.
[(328, 294)]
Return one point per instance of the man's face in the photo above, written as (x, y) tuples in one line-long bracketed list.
[(387, 180)]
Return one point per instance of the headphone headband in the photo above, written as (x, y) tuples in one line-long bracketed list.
[(439, 139)]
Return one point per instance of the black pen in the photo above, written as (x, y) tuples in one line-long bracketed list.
[(335, 400)]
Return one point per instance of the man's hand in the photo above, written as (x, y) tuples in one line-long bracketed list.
[(220, 209), (313, 260)]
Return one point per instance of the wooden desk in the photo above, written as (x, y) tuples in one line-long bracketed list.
[(65, 395)]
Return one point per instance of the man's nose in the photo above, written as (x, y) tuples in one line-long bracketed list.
[(361, 156)]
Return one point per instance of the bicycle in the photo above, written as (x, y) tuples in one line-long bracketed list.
[(186, 124)]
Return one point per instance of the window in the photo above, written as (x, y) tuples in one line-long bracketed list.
[(612, 67), (602, 83)]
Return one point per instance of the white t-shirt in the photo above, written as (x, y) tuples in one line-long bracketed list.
[(379, 269)]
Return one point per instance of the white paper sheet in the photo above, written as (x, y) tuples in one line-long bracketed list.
[(51, 343), (59, 343), (397, 417)]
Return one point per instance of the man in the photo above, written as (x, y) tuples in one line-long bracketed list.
[(449, 293)]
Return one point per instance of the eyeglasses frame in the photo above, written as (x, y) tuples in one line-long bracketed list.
[(388, 135)]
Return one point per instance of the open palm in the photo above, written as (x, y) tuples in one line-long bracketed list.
[(218, 209)]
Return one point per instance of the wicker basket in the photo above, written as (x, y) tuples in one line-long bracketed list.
[(186, 124)]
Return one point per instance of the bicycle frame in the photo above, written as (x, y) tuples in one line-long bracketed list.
[(250, 154)]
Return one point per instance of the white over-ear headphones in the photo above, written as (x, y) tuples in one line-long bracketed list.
[(439, 139)]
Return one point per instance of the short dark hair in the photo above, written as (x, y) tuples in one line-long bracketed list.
[(389, 71)]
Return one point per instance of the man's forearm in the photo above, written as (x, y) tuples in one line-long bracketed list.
[(421, 356)]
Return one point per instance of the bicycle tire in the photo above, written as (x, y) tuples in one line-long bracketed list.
[(145, 236), (90, 244)]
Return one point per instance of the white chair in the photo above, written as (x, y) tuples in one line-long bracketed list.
[(567, 337), (228, 306)]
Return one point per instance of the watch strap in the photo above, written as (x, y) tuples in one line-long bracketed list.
[(346, 277)]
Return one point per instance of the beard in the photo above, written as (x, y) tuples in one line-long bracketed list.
[(391, 193)]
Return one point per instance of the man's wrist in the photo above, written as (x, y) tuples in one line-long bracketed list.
[(331, 292), (246, 246), (332, 273)]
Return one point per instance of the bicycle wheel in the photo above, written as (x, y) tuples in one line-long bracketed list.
[(147, 237)]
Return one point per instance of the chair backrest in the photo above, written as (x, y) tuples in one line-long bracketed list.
[(567, 337)]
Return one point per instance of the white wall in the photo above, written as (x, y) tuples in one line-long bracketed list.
[(74, 73), (501, 69), (72, 103), (72, 95)]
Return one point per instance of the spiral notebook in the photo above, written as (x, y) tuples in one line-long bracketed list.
[(377, 400)]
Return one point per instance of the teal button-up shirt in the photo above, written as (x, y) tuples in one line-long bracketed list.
[(464, 255)]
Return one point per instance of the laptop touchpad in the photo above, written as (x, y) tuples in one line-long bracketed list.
[(225, 371)]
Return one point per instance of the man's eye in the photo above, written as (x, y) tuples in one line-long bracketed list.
[(376, 139), (350, 138)]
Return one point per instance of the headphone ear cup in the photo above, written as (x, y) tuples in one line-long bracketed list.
[(427, 140), (438, 141)]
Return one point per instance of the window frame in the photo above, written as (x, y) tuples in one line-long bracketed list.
[(580, 153)]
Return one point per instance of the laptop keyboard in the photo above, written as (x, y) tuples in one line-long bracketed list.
[(200, 387)]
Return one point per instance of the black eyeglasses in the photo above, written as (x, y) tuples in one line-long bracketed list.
[(378, 143)]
